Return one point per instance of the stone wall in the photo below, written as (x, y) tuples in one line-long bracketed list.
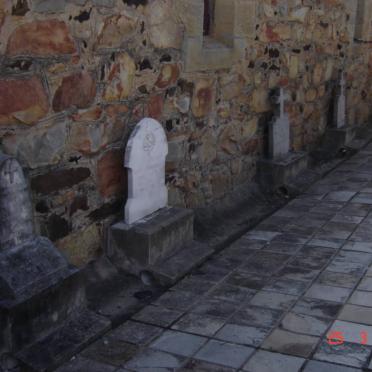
[(77, 75)]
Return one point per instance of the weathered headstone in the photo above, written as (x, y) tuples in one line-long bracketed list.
[(340, 106), (152, 237), (279, 136), (145, 159), (39, 289), (282, 164)]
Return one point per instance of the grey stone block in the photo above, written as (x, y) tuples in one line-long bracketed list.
[(38, 290), (335, 138), (145, 243), (275, 173)]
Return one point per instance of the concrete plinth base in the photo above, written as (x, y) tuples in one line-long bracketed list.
[(335, 138), (150, 240), (38, 290), (275, 173)]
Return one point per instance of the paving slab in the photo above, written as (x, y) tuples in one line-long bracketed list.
[(199, 324), (246, 335), (329, 293), (256, 316), (179, 343), (332, 278), (273, 300), (266, 361), (361, 298), (349, 354), (356, 314), (290, 343), (307, 324), (157, 315), (151, 359), (316, 366), (310, 306), (224, 353)]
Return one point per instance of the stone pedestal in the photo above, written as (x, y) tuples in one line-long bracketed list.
[(39, 291), (273, 173), (335, 138), (145, 243)]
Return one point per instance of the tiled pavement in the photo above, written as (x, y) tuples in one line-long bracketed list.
[(269, 301)]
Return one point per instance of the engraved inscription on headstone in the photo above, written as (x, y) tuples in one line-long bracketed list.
[(145, 159), (279, 131), (340, 107)]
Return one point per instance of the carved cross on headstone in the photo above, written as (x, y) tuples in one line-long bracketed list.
[(279, 130), (145, 159), (340, 108)]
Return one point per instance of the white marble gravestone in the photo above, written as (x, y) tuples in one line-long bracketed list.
[(279, 145), (340, 114), (145, 159)]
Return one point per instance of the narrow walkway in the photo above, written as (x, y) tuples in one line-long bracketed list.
[(294, 294)]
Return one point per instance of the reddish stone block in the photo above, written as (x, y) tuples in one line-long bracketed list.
[(41, 38), (22, 101), (111, 174), (155, 106), (76, 90), (168, 76)]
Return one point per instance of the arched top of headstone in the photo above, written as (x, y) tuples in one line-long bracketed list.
[(147, 145), (11, 173)]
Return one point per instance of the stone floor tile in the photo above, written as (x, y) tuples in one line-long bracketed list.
[(361, 235), (264, 263), (357, 314), (193, 285), (310, 306), (246, 335), (337, 279), (340, 196), (328, 243), (291, 238), (177, 300), (357, 257), (301, 323), (218, 308), (361, 298), (360, 210), (369, 272), (199, 324), (157, 315), (309, 262), (353, 355), (290, 343), (345, 218), (224, 353), (344, 266), (256, 316), (179, 343), (315, 251), (326, 292), (231, 293), (110, 351), (282, 248), (210, 273), (362, 198), (136, 333), (199, 366), (287, 286), (266, 361), (316, 366), (151, 359), (352, 332), (247, 280), (262, 235), (273, 300), (358, 246), (365, 284), (297, 273), (79, 364)]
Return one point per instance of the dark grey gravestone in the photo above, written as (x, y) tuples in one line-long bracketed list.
[(39, 289)]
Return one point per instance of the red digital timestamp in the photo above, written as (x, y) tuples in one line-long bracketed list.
[(336, 338)]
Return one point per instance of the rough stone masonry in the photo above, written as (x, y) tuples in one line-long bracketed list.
[(77, 75)]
